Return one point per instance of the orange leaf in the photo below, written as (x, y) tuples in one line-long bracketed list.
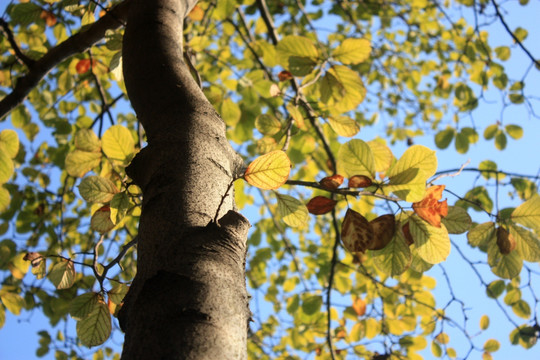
[(284, 75), (359, 181), (49, 18), (359, 235), (320, 205), (505, 241), (359, 307), (430, 208), (84, 65), (196, 14), (332, 182)]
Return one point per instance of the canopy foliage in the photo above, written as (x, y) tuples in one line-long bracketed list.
[(324, 94)]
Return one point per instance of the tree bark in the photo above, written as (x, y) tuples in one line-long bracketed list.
[(188, 299)]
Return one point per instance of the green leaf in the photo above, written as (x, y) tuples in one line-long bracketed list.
[(409, 174), (2, 316), (225, 8), (230, 112), (299, 46), (9, 143), (117, 293), (457, 221), (491, 345), (352, 51), (78, 162), (344, 126), (293, 212), (528, 213), (311, 304), (481, 234), (514, 131), (101, 220), (432, 243), (25, 14), (97, 189), (118, 144), (444, 137), (395, 257), (491, 131), (462, 142), (502, 52), (524, 336), (87, 140), (504, 266), (500, 140), (520, 33), (62, 274), (382, 155), (267, 124), (491, 167), (484, 322), (5, 199), (355, 158), (95, 329), (477, 198), (522, 309), (6, 167), (13, 302), (83, 305), (120, 205), (350, 91), (527, 244)]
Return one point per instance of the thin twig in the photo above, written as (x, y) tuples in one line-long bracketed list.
[(511, 33), (16, 49), (344, 191), (453, 174)]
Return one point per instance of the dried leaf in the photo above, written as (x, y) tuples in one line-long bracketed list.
[(320, 205), (430, 209), (332, 182), (359, 181)]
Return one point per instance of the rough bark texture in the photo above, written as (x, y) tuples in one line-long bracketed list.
[(189, 299)]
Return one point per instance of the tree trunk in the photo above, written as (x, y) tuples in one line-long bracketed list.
[(188, 299)]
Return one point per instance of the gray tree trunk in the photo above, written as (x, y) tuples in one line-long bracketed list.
[(188, 299)]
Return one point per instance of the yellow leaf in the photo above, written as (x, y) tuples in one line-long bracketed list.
[(269, 171), (344, 126), (352, 51), (118, 143)]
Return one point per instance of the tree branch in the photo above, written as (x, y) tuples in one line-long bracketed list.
[(76, 44), (16, 49), (511, 33)]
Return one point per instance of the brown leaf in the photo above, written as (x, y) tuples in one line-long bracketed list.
[(84, 65), (407, 232), (320, 205), (49, 18), (505, 241), (35, 258), (355, 232), (383, 229), (359, 235), (284, 75), (332, 182), (359, 181)]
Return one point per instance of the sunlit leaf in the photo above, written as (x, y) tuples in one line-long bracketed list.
[(355, 158), (344, 126), (117, 293), (97, 189), (481, 234), (293, 212), (95, 328), (359, 181), (118, 144), (505, 266), (484, 322), (528, 213), (5, 199), (331, 182), (382, 155), (457, 221), (9, 142), (267, 124), (6, 167), (269, 171), (83, 305), (432, 243), (13, 302), (120, 204), (87, 140), (101, 220), (79, 162), (352, 51), (527, 244), (62, 274)]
